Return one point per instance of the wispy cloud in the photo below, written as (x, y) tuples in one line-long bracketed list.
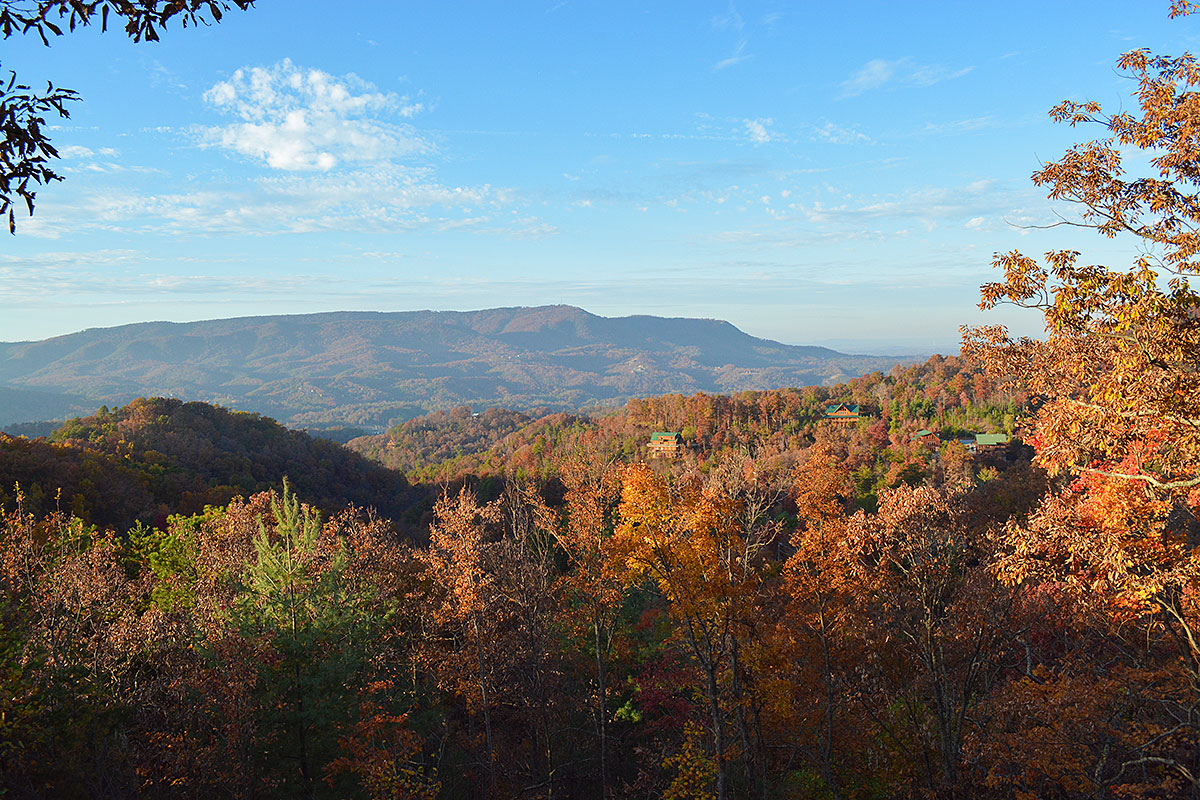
[(962, 125), (13, 264), (162, 77), (77, 159), (879, 73), (833, 133), (929, 206), (738, 57), (293, 118), (819, 220), (384, 198), (732, 20)]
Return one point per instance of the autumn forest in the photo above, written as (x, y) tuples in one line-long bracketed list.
[(197, 602)]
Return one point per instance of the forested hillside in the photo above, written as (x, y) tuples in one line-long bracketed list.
[(539, 637), (432, 439), (156, 457), (950, 396), (833, 609)]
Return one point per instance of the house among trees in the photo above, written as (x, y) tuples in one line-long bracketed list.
[(984, 442), (990, 442), (841, 415), (665, 445)]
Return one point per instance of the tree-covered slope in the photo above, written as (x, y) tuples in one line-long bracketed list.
[(157, 455)]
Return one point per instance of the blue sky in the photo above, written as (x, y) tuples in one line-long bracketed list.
[(812, 172)]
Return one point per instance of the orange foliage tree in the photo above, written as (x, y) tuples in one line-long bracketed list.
[(1119, 392), (938, 629), (593, 581), (818, 631), (701, 544), (458, 555)]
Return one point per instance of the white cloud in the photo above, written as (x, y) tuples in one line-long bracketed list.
[(77, 159), (970, 205), (760, 132), (64, 258), (837, 134), (932, 203), (305, 119), (737, 58), (874, 73), (878, 73)]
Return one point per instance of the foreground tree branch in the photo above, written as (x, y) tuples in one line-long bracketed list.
[(25, 149)]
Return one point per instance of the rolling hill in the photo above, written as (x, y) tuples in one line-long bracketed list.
[(371, 368), (159, 456)]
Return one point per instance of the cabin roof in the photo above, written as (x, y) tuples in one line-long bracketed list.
[(846, 407)]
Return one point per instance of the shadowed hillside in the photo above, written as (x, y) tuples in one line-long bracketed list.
[(159, 456)]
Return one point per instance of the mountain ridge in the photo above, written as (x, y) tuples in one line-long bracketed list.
[(372, 367)]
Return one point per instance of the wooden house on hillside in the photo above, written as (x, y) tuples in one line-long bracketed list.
[(665, 445), (926, 437), (990, 442), (984, 442), (841, 415)]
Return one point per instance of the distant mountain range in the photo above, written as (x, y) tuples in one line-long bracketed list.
[(369, 369)]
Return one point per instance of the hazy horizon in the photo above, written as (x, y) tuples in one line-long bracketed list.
[(889, 346)]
